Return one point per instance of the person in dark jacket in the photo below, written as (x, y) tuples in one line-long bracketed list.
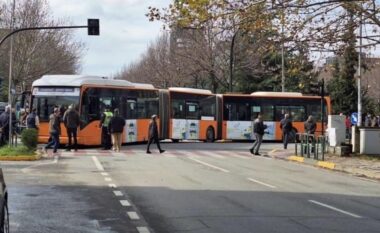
[(310, 125), (286, 127), (4, 125), (116, 128), (153, 135), (54, 130), (104, 124), (258, 130), (32, 120), (71, 120)]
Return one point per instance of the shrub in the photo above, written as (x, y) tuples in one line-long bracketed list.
[(29, 138)]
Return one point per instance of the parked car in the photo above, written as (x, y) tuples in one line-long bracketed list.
[(4, 220)]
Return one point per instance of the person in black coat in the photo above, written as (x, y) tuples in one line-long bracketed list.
[(286, 127), (116, 128), (258, 130), (153, 135), (310, 125), (4, 125)]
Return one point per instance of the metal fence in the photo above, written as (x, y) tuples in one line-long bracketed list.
[(311, 146)]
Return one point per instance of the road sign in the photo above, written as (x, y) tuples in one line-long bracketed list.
[(354, 118)]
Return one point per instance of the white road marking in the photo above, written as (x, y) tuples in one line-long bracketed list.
[(133, 215), (211, 154), (262, 183), (143, 230), (97, 163), (335, 209), (125, 203), (108, 179), (112, 186), (56, 157), (104, 174), (209, 165), (239, 156), (118, 193)]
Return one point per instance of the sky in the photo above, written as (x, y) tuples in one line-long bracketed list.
[(125, 31)]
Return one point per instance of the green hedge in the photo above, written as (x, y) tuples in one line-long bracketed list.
[(29, 138)]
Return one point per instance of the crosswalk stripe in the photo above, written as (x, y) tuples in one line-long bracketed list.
[(212, 154)]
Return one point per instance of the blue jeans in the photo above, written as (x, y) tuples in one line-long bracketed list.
[(54, 142), (257, 143)]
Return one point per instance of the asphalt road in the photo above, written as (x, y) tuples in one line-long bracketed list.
[(193, 187)]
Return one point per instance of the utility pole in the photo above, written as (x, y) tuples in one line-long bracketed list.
[(360, 72), (10, 139), (282, 53)]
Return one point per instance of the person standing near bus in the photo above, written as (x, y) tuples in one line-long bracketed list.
[(310, 125), (104, 124), (54, 130), (71, 120), (116, 128), (32, 120), (258, 130), (286, 127), (4, 125), (153, 135)]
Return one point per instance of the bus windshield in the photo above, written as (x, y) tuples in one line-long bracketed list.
[(45, 104)]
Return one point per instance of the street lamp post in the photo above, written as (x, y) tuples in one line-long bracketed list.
[(10, 135)]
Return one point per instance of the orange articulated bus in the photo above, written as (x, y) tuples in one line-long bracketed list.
[(239, 111), (91, 94), (188, 114)]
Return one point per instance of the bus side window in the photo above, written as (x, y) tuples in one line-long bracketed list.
[(192, 111), (131, 109), (178, 109)]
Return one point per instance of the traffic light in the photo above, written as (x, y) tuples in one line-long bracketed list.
[(93, 27), (315, 88)]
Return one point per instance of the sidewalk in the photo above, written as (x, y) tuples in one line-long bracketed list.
[(362, 166)]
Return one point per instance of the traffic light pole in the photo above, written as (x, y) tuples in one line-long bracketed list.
[(93, 29)]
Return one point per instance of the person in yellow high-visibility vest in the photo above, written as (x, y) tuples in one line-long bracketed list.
[(104, 124)]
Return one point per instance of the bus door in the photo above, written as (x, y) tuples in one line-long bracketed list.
[(131, 122)]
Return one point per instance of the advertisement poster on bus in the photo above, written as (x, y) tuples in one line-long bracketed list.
[(185, 129), (131, 130), (179, 129), (192, 129), (243, 130), (270, 131), (239, 130)]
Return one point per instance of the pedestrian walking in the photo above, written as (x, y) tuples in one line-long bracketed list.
[(104, 124), (374, 122), (348, 126), (258, 130), (32, 120), (71, 120), (286, 127), (310, 125), (116, 128), (367, 120), (54, 130), (4, 125), (153, 135)]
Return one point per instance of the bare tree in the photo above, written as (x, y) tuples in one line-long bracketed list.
[(36, 53)]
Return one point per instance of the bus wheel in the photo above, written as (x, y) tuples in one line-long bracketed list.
[(210, 135), (175, 140)]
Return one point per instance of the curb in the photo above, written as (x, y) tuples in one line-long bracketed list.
[(322, 164), (21, 158)]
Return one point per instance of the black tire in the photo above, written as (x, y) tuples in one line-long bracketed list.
[(210, 134), (175, 140), (5, 220)]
